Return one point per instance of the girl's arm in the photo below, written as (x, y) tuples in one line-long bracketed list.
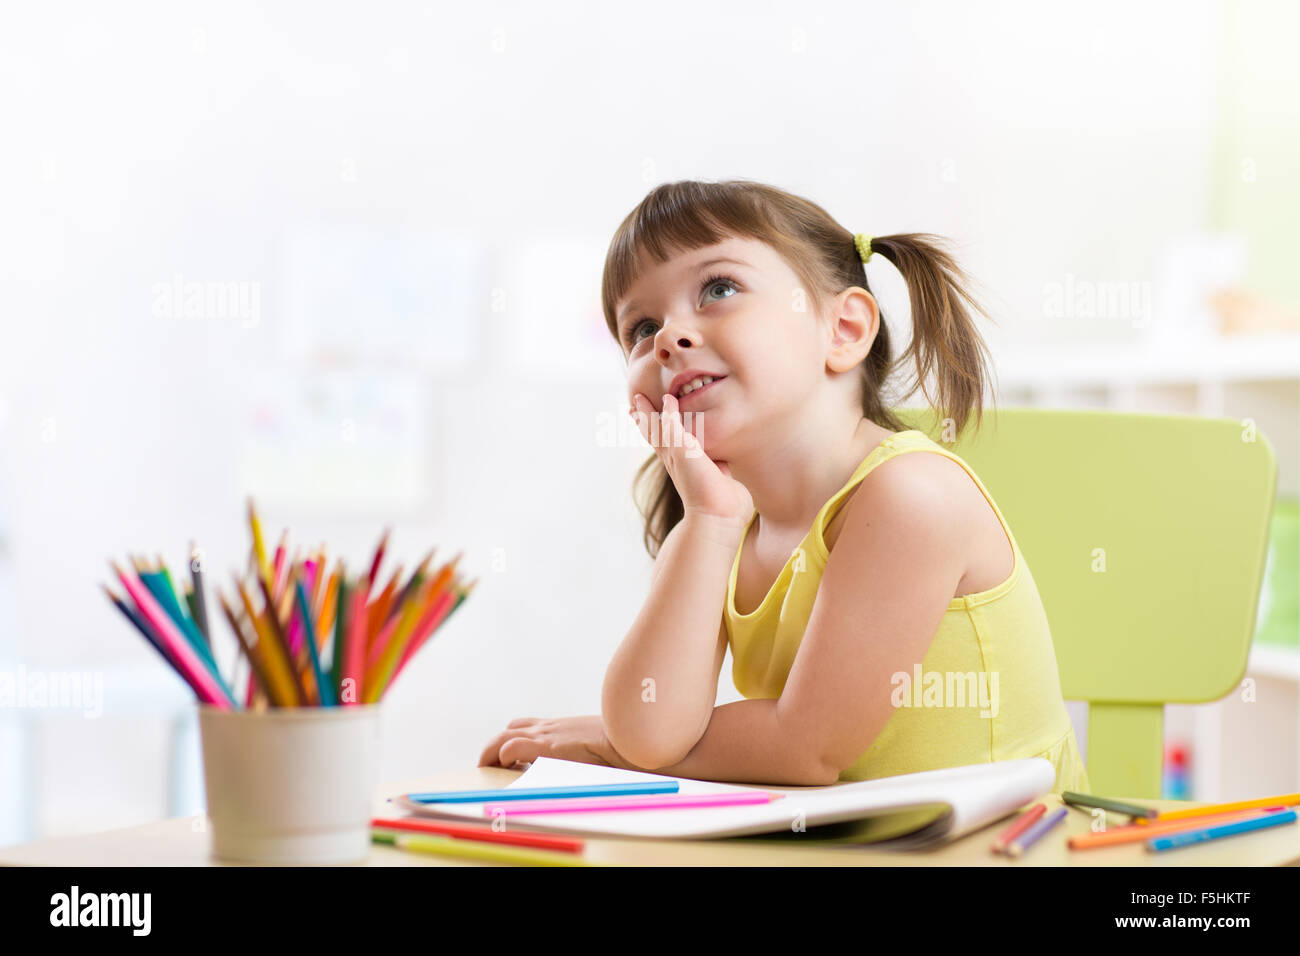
[(661, 685), (745, 743)]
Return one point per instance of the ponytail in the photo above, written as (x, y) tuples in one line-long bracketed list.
[(946, 344)]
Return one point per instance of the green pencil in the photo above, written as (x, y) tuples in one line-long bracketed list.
[(1088, 801), (477, 850), (340, 635)]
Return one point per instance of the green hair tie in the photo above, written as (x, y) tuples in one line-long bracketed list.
[(863, 242)]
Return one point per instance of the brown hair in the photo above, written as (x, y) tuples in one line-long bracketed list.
[(681, 216)]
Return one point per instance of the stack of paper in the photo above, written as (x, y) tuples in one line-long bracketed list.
[(908, 811)]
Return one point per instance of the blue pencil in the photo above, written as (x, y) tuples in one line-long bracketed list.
[(532, 793), (156, 583), (1031, 836), (309, 634), (1175, 840)]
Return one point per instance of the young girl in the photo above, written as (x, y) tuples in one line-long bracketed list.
[(880, 615)]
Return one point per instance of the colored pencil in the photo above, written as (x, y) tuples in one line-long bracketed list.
[(341, 620), (538, 793), (252, 649), (1282, 800), (379, 679), (425, 632), (378, 612), (158, 584), (304, 611), (1264, 820), (210, 690), (259, 546), (277, 565), (277, 629), (480, 831), (379, 557), (329, 605), (273, 652), (200, 598), (1089, 802), (1133, 833), (1023, 822), (350, 681), (411, 587), (143, 627), (476, 850), (313, 638), (1035, 833), (658, 801)]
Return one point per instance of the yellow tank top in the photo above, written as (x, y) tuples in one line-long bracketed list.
[(1001, 631)]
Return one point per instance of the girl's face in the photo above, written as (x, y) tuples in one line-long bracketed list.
[(735, 311)]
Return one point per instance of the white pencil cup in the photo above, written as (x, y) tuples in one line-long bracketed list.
[(291, 785)]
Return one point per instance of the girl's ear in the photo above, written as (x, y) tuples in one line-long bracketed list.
[(854, 324)]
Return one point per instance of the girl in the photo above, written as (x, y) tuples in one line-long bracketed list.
[(880, 615)]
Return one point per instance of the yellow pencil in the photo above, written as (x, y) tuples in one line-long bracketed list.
[(1284, 800), (479, 850), (274, 653), (259, 546)]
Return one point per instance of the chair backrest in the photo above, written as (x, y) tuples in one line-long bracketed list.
[(1147, 536)]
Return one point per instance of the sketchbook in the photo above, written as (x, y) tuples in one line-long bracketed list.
[(909, 811)]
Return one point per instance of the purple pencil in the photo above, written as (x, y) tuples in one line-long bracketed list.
[(1031, 836)]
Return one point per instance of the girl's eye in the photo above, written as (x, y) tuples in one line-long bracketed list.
[(634, 335)]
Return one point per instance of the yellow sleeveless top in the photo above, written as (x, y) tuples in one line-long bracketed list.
[(1001, 631)]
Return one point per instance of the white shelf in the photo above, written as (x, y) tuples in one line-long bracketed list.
[(1275, 356), (1270, 660)]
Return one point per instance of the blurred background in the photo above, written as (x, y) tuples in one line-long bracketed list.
[(347, 261)]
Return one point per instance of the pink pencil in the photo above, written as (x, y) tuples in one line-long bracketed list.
[(354, 658), (195, 671), (666, 801)]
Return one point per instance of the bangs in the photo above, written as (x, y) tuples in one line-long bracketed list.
[(682, 217)]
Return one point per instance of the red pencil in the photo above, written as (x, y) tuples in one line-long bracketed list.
[(379, 556), (485, 833), (1023, 822), (354, 656)]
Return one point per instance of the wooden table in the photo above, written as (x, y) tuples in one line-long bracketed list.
[(185, 842)]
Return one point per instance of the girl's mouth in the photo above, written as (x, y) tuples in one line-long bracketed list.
[(686, 399)]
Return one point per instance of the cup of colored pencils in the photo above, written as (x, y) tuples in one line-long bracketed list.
[(289, 754)]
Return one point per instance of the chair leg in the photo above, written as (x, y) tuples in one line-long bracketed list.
[(1126, 749)]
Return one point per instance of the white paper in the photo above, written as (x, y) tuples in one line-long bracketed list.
[(973, 795)]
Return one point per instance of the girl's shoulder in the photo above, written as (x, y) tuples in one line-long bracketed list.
[(935, 485)]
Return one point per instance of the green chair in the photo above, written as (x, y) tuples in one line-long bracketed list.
[(1147, 536)]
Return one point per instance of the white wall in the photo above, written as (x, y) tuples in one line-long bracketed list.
[(144, 141)]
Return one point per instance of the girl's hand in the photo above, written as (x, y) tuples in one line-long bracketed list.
[(706, 486), (568, 738)]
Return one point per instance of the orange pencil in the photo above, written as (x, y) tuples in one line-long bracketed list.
[(378, 611), (318, 562), (1132, 833), (329, 606)]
